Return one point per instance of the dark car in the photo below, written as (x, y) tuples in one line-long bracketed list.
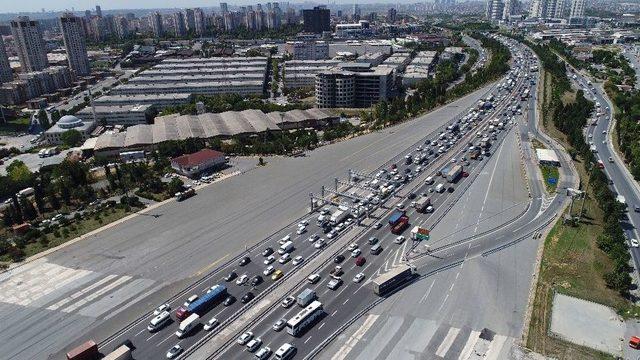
[(450, 189), (326, 229), (232, 275), (407, 170), (268, 251), (257, 280), (412, 196), (338, 259), (244, 261), (247, 297), (229, 300), (360, 260)]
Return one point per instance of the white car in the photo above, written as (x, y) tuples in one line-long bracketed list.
[(269, 259), (161, 308), (399, 240), (269, 270), (313, 278), (244, 338), (298, 260), (211, 324), (358, 278), (332, 234), (279, 325), (288, 301), (635, 243), (319, 244), (400, 206), (303, 223), (242, 279), (355, 253), (429, 209), (301, 230), (254, 344), (174, 351), (313, 237), (263, 353), (352, 247), (284, 259)]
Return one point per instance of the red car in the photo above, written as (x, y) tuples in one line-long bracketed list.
[(360, 260), (634, 342)]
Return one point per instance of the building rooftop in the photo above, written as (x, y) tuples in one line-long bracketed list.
[(197, 158)]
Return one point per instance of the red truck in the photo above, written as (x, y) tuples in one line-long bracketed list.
[(86, 351)]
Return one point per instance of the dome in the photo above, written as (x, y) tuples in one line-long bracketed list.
[(69, 122)]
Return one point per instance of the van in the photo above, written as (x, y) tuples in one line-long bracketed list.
[(285, 352), (429, 180), (286, 248), (440, 188), (187, 325), (159, 321), (376, 249)]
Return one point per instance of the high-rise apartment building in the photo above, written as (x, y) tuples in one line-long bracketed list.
[(6, 75), (98, 11), (316, 20), (547, 9), (156, 24), (200, 21), (190, 17), (29, 44), (75, 44), (495, 10), (179, 24), (122, 27), (224, 8), (577, 9)]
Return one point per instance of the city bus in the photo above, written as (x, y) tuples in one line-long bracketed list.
[(305, 318)]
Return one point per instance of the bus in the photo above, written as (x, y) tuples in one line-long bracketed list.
[(305, 318)]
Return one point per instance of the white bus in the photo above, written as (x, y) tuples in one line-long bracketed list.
[(304, 318)]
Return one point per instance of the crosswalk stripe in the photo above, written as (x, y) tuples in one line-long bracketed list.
[(353, 340), (448, 340), (81, 292), (496, 346), (96, 294), (468, 347)]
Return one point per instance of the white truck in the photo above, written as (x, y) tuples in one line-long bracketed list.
[(338, 216), (306, 297), (440, 188), (187, 325)]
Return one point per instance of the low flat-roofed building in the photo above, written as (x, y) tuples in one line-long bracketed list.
[(126, 115), (547, 157), (159, 101), (53, 135), (301, 73), (193, 164), (241, 87)]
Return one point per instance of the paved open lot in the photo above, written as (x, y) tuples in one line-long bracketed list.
[(120, 273)]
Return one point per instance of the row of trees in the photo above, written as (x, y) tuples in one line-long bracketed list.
[(230, 102), (570, 119)]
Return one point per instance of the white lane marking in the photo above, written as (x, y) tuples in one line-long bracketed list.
[(149, 338), (345, 302), (443, 302), (97, 294), (468, 347), (451, 288), (426, 294), (306, 341), (353, 340), (334, 312), (321, 325), (167, 338), (447, 342), (140, 332), (81, 292)]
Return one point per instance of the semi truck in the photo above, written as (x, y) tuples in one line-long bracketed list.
[(86, 351), (400, 226), (418, 233), (390, 280), (338, 216), (185, 194), (395, 217), (204, 303), (454, 174), (422, 203), (187, 325), (122, 352), (306, 297)]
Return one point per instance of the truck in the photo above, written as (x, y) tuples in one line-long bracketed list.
[(474, 153), (395, 217), (400, 225), (418, 233), (422, 203), (338, 216), (122, 352), (181, 195), (393, 278), (306, 297), (204, 303), (440, 188), (86, 351), (187, 325), (454, 174)]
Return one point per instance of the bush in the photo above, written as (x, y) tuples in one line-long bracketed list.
[(56, 233)]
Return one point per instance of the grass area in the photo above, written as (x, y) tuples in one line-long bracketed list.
[(537, 144), (151, 196), (550, 172), (15, 126)]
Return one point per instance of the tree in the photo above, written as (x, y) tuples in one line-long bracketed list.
[(175, 185), (71, 138), (19, 173), (261, 161), (43, 118)]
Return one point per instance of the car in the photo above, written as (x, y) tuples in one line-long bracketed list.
[(263, 353), (338, 259), (303, 223), (285, 239), (314, 237), (634, 342), (191, 299), (360, 260), (429, 209), (298, 260), (400, 206), (269, 270), (268, 251), (399, 240), (244, 338), (279, 325), (313, 278), (355, 253), (352, 246), (334, 283), (636, 208), (242, 279), (244, 261), (247, 297), (288, 301), (301, 230), (604, 131), (358, 278), (450, 189), (284, 259), (319, 244), (229, 300), (161, 308), (610, 159), (634, 243), (211, 324), (378, 225), (174, 351), (277, 275), (254, 344), (269, 259), (256, 280), (332, 233), (373, 240)]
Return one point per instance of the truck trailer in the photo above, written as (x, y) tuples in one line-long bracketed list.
[(86, 351), (454, 174), (390, 280), (422, 203), (306, 297)]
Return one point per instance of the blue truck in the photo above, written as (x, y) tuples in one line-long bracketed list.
[(203, 304), (395, 217)]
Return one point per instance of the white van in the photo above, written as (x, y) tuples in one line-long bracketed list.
[(187, 325), (440, 188), (429, 180), (286, 248), (159, 321), (286, 351)]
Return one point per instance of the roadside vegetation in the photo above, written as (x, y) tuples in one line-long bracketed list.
[(585, 255)]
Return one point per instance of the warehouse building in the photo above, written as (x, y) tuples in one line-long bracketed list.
[(196, 163), (159, 101), (126, 115), (241, 87)]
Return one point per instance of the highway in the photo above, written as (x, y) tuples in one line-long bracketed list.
[(95, 287)]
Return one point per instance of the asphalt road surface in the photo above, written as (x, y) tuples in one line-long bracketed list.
[(93, 288)]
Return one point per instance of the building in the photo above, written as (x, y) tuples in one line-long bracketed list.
[(200, 22), (179, 24), (577, 9), (6, 74), (122, 27), (126, 115), (342, 88), (74, 43), (190, 18), (547, 157), (495, 10), (53, 135), (156, 24), (98, 11), (353, 30), (29, 44), (224, 8), (159, 101), (316, 20), (547, 9), (302, 73), (307, 50), (392, 15), (191, 165)]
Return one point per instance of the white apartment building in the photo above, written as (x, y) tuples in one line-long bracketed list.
[(29, 44), (307, 50), (74, 43), (341, 88), (302, 73)]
